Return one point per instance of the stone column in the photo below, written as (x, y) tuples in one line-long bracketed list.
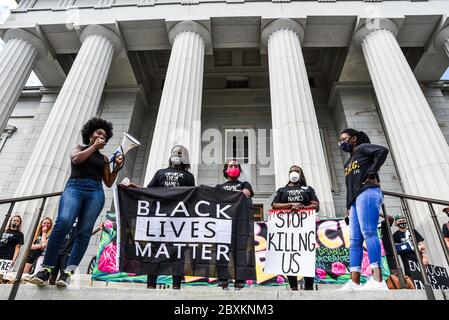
[(24, 5), (48, 167), (296, 135), (17, 59), (418, 145), (442, 40), (63, 5), (179, 116)]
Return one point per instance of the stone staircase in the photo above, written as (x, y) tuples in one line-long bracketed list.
[(83, 288)]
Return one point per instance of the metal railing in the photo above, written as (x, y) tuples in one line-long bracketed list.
[(408, 217), (35, 223), (403, 198)]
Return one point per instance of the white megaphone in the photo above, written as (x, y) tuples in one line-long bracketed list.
[(128, 143)]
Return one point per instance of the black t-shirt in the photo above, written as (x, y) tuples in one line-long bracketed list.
[(366, 160), (445, 230), (299, 194), (406, 256), (235, 185), (8, 243), (91, 168), (172, 177)]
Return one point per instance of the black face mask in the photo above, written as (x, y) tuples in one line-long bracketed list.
[(402, 225)]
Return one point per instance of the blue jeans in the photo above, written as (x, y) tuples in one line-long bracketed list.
[(82, 199), (363, 220)]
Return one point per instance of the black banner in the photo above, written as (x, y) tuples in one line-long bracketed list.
[(438, 276), (193, 231)]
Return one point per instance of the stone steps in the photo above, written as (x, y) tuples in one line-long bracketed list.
[(83, 289)]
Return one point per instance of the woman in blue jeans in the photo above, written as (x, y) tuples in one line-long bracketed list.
[(364, 199), (83, 198)]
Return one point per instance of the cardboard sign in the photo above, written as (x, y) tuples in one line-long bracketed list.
[(5, 266), (291, 243)]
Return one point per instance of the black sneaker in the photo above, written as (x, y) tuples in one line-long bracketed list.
[(41, 278), (64, 279), (224, 285), (239, 286)]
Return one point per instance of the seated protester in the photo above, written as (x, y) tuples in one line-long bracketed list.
[(294, 196), (11, 240), (445, 228), (404, 244), (64, 254), (40, 242), (232, 171)]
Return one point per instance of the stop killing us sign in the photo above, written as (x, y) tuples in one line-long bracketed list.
[(291, 241)]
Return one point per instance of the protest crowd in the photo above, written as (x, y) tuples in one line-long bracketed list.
[(58, 246)]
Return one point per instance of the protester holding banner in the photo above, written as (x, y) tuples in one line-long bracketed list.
[(176, 175), (40, 242), (364, 199), (83, 198), (294, 196), (12, 240), (232, 171), (404, 245)]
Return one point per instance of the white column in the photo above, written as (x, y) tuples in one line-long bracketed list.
[(296, 135), (48, 167), (24, 5), (17, 60), (418, 145), (179, 116), (442, 40), (63, 4)]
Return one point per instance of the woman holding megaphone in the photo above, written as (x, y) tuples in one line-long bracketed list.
[(83, 198)]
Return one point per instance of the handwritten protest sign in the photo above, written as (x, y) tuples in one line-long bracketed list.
[(5, 266), (291, 243)]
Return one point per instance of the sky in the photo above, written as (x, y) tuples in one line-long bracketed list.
[(6, 5)]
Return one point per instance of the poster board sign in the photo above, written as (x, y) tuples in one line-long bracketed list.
[(5, 266), (291, 242)]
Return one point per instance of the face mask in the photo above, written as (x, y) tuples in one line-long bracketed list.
[(294, 176), (176, 160), (14, 225), (233, 172), (345, 146), (402, 225)]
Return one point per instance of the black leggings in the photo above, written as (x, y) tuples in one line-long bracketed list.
[(308, 282)]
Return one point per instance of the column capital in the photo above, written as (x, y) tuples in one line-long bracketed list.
[(372, 25), (95, 29), (441, 38), (191, 26), (29, 37), (281, 24)]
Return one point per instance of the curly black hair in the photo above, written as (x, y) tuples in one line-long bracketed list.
[(94, 124)]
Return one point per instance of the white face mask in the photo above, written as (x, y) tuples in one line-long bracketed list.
[(176, 160), (294, 177)]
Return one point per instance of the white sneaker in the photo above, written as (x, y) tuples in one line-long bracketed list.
[(350, 286), (372, 284), (26, 276)]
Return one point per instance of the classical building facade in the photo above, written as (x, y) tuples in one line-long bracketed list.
[(270, 83)]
